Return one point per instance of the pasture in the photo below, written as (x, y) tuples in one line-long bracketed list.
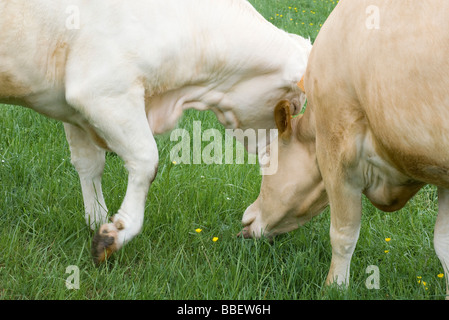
[(188, 247)]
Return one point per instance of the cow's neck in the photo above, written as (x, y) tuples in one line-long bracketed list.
[(208, 73)]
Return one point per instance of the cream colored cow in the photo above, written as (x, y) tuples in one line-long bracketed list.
[(117, 72), (376, 123)]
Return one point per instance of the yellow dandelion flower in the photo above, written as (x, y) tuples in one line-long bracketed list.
[(440, 275), (174, 162), (215, 239), (198, 230), (387, 239), (386, 251)]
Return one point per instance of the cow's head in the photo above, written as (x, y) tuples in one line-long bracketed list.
[(295, 193)]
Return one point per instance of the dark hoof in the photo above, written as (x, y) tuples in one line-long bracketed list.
[(104, 243)]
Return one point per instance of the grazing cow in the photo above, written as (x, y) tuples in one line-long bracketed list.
[(376, 123), (117, 72)]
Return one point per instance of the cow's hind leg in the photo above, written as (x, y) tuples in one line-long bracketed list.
[(120, 120), (88, 160), (441, 234)]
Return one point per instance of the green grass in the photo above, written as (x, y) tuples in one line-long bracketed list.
[(42, 228)]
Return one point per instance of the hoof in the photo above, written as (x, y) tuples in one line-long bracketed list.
[(104, 243)]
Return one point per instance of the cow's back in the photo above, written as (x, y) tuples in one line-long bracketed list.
[(387, 62), (39, 39)]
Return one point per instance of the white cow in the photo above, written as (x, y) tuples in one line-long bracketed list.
[(117, 72)]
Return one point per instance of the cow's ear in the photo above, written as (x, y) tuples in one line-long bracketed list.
[(283, 119)]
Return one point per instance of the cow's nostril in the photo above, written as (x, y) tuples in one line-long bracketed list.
[(245, 233)]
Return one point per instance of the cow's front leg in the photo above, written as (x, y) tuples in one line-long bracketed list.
[(120, 121), (344, 189), (139, 151), (345, 207), (88, 160), (441, 234)]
